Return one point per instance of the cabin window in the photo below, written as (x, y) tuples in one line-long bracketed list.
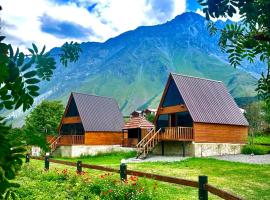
[(72, 129), (172, 97), (72, 109), (184, 119), (163, 121), (134, 133)]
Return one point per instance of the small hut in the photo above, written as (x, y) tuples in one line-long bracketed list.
[(135, 129)]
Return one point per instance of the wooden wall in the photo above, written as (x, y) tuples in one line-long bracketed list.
[(103, 138), (219, 133)]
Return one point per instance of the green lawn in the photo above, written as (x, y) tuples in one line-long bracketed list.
[(246, 180), (262, 139)]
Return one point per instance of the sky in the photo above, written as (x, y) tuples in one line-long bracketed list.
[(53, 22)]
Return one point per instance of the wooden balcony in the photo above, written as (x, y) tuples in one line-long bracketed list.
[(71, 140), (177, 134)]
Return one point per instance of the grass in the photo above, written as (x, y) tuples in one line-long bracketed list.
[(262, 139), (108, 159), (249, 181)]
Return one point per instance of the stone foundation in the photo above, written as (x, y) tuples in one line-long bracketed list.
[(83, 150), (197, 149), (173, 148), (215, 149)]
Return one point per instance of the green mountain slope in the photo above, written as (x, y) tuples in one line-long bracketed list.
[(134, 66)]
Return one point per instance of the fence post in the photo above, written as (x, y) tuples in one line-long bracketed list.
[(203, 193), (47, 162), (27, 158), (123, 170), (79, 167)]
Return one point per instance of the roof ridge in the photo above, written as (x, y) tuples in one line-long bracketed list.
[(92, 95), (207, 79)]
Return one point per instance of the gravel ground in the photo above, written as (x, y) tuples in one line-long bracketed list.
[(256, 159), (157, 159)]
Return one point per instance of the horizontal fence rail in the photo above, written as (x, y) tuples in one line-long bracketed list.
[(124, 172)]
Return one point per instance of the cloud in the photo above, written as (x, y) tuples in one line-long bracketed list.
[(64, 29), (53, 22)]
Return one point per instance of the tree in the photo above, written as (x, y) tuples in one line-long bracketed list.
[(10, 161), (46, 117), (248, 39), (19, 76), (254, 115), (41, 122), (150, 117)]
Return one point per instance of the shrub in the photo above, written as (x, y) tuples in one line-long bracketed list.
[(40, 184), (255, 149)]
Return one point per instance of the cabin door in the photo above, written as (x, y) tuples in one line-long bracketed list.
[(173, 118)]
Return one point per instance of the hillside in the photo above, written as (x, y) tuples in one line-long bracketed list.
[(133, 67)]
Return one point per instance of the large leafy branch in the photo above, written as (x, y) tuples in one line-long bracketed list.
[(249, 39), (21, 73)]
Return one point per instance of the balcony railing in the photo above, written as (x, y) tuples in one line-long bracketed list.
[(177, 134), (71, 139)]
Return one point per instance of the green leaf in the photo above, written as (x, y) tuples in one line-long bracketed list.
[(35, 48), (33, 93), (21, 59), (30, 74), (26, 66), (31, 51), (2, 38), (32, 81), (8, 104), (32, 87)]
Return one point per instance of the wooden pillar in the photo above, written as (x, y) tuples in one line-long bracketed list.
[(123, 137), (162, 148), (184, 149)]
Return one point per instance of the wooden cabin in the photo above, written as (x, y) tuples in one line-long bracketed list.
[(89, 120), (135, 129), (196, 117)]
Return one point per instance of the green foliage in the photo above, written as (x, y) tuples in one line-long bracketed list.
[(247, 39), (150, 117), (10, 162), (41, 122), (84, 186), (19, 76), (20, 73), (262, 139), (255, 116), (255, 149), (46, 117)]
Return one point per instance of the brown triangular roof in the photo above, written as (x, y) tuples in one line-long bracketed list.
[(98, 113), (138, 122), (207, 101)]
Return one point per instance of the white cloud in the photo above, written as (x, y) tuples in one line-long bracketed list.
[(108, 19)]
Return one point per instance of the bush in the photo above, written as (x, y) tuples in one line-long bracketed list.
[(40, 184), (255, 149)]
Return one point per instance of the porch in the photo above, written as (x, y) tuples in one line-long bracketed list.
[(65, 140), (169, 134)]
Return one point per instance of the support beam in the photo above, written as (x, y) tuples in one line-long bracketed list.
[(172, 109), (184, 149), (71, 120), (162, 148)]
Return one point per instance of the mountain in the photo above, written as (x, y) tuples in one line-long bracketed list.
[(133, 67)]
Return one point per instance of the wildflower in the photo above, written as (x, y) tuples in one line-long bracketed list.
[(110, 190)]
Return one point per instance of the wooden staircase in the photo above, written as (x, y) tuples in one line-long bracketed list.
[(147, 144), (54, 143)]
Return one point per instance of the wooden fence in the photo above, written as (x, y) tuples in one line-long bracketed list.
[(202, 184)]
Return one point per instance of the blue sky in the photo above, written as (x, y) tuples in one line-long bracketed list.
[(52, 22)]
